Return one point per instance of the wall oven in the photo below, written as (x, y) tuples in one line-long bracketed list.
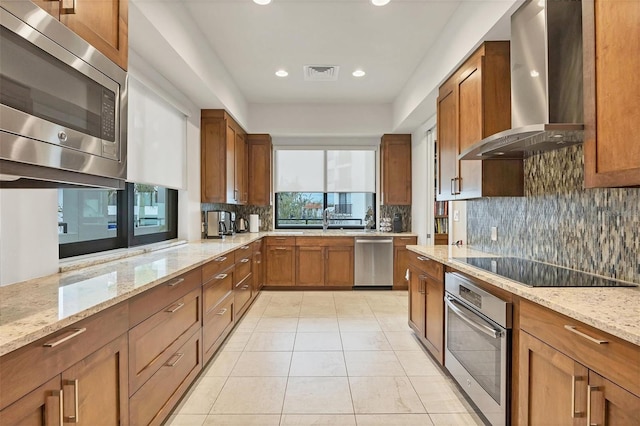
[(62, 103), (477, 345)]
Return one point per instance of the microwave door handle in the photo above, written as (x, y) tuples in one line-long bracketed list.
[(460, 311)]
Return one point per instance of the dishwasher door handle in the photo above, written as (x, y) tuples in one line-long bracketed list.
[(374, 241)]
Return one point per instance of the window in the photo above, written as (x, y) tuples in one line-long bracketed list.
[(309, 181), (94, 220)]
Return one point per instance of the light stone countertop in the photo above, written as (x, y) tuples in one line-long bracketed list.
[(87, 285), (615, 310)]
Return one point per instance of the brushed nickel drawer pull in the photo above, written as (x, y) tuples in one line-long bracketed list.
[(245, 260), (422, 258), (281, 248), (177, 357), (175, 282), (244, 287), (76, 332), (220, 259), (65, 10), (174, 309), (76, 415), (221, 276), (244, 248), (222, 312), (573, 329)]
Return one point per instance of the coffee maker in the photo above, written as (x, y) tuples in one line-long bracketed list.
[(218, 223)]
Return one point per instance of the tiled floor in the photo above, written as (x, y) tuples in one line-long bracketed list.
[(324, 358)]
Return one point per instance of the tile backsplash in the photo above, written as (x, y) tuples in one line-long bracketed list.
[(560, 222), (390, 211)]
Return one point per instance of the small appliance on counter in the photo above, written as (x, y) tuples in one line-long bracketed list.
[(397, 222), (254, 223), (218, 223), (242, 225)]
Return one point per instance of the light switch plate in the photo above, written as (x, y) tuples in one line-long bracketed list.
[(494, 233), (456, 215)]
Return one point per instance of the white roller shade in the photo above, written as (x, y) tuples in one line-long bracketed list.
[(299, 171), (351, 171), (157, 139)]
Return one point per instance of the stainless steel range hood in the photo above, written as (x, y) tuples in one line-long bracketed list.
[(546, 82)]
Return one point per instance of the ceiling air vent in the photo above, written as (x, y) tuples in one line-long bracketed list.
[(321, 72)]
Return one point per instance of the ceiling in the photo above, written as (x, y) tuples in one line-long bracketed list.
[(386, 42)]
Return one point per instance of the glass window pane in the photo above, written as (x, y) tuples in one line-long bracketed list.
[(299, 170), (351, 171), (351, 208), (86, 214), (299, 209), (150, 209)]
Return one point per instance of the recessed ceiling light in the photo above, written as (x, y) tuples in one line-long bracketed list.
[(262, 2), (358, 73), (377, 2), (281, 73)]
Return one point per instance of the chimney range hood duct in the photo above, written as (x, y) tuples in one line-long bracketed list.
[(546, 82)]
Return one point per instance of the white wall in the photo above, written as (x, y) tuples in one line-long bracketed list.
[(28, 234), (458, 229), (422, 174)]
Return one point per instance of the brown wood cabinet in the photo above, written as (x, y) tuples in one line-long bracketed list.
[(217, 302), (401, 261), (242, 280), (310, 266), (324, 261), (260, 165), (475, 103), (258, 266), (339, 264), (426, 303), (102, 23), (280, 259), (395, 169), (569, 371), (611, 153), (223, 159)]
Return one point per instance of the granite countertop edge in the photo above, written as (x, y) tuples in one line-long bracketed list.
[(592, 306)]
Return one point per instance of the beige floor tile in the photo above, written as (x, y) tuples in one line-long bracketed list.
[(403, 340), (312, 310), (319, 324), (317, 395), (318, 419), (186, 420), (222, 364), (251, 395), (384, 395), (440, 395), (255, 364), (373, 364), (202, 396), (281, 311), (270, 342), (418, 363), (394, 322), (280, 325), (354, 310), (248, 324), (357, 324), (318, 342), (393, 419), (365, 341), (313, 364), (236, 341), (456, 419), (242, 420), (387, 309)]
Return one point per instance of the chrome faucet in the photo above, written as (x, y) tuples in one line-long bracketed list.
[(326, 215)]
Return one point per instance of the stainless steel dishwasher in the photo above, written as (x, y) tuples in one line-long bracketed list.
[(373, 262)]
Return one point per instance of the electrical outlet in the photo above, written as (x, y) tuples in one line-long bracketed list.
[(456, 215), (494, 233)]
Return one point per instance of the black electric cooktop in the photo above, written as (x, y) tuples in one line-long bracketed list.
[(537, 274)]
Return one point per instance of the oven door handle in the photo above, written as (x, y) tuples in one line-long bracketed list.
[(461, 311)]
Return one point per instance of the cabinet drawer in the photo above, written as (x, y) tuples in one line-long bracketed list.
[(242, 295), (152, 342), (281, 241), (217, 323), (153, 402), (216, 266), (242, 269), (617, 360), (148, 303), (405, 241), (338, 242), (256, 246), (242, 252), (216, 289), (428, 266), (32, 365)]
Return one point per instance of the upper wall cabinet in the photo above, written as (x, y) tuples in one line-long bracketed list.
[(395, 170), (474, 103), (260, 162), (611, 149), (223, 157), (102, 23)]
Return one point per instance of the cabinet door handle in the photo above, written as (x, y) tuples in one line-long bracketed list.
[(574, 330), (76, 332), (452, 184), (222, 312), (574, 414), (235, 194), (65, 10), (175, 282), (220, 259), (176, 359), (76, 415), (245, 260), (175, 308), (221, 276), (51, 416), (590, 390)]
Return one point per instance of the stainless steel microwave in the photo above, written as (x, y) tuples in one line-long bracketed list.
[(63, 105)]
